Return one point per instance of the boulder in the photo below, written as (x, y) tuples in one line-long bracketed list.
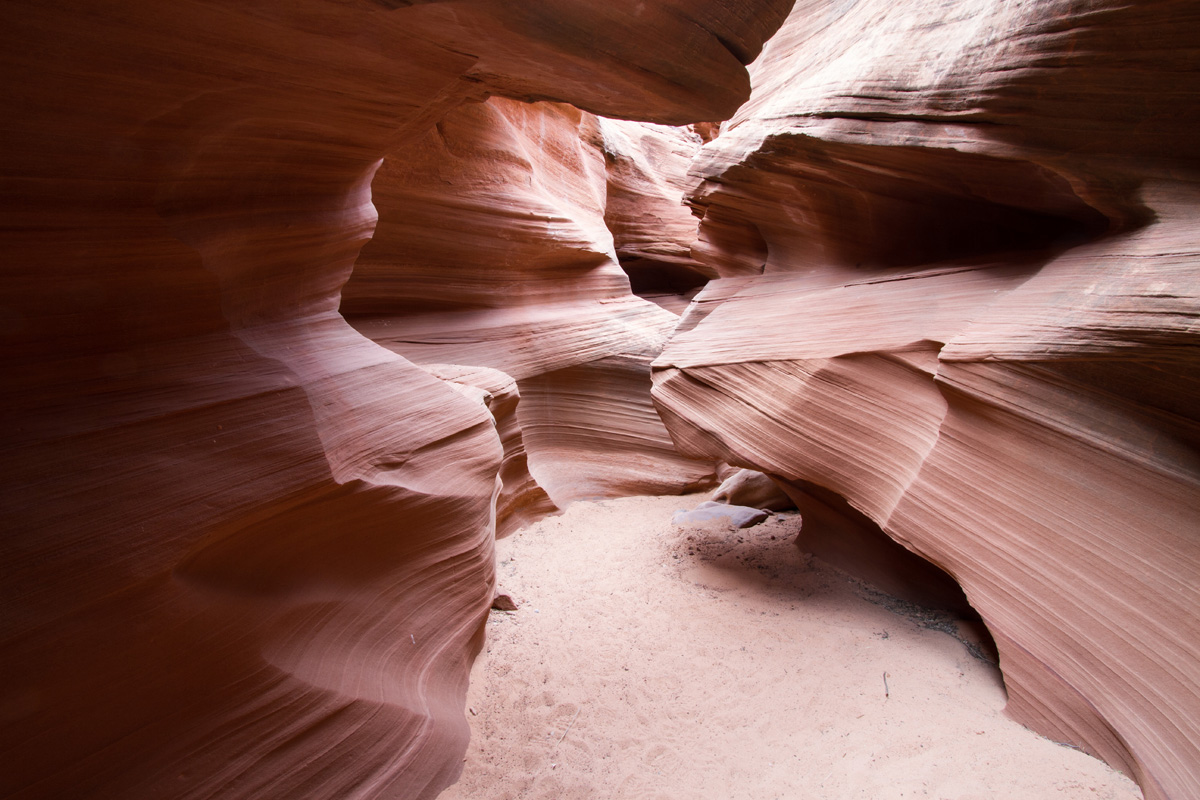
[(709, 511), (746, 487)]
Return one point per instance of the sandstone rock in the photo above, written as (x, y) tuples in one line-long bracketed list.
[(521, 500), (955, 292), (492, 249), (749, 488), (653, 230), (248, 551), (844, 537), (504, 602), (596, 434), (731, 515)]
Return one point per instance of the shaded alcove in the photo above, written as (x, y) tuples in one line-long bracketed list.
[(661, 277), (844, 537), (669, 285), (801, 202)]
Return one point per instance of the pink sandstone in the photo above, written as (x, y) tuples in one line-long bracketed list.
[(248, 539), (247, 550), (492, 249), (958, 292)]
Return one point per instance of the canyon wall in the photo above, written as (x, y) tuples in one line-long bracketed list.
[(247, 547), (492, 249), (958, 291), (247, 551)]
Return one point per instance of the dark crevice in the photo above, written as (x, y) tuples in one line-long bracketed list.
[(660, 277)]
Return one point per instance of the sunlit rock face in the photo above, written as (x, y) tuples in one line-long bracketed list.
[(653, 229), (492, 249), (247, 551), (958, 289), (521, 500)]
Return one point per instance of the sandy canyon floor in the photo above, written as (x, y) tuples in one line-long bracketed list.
[(653, 661)]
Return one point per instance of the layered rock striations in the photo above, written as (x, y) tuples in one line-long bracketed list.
[(958, 292), (247, 551), (653, 230), (493, 250)]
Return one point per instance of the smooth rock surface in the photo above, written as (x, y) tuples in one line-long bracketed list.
[(493, 250), (520, 500), (247, 551), (710, 511), (746, 487)]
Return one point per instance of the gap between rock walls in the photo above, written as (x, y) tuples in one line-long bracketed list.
[(873, 308)]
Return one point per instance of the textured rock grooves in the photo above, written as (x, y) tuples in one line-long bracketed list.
[(492, 249), (249, 515), (971, 255)]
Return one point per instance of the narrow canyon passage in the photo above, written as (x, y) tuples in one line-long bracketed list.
[(313, 306), (648, 660)]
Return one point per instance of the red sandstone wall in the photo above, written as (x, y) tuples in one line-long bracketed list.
[(247, 551), (959, 289), (493, 250)]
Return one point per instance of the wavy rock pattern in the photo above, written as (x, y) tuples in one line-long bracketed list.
[(247, 551), (521, 500), (653, 230), (493, 250), (958, 290)]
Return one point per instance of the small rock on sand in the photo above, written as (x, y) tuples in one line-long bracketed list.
[(737, 516)]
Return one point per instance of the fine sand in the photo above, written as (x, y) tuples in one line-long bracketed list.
[(649, 661)]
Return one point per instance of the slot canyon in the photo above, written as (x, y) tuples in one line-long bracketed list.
[(306, 303)]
